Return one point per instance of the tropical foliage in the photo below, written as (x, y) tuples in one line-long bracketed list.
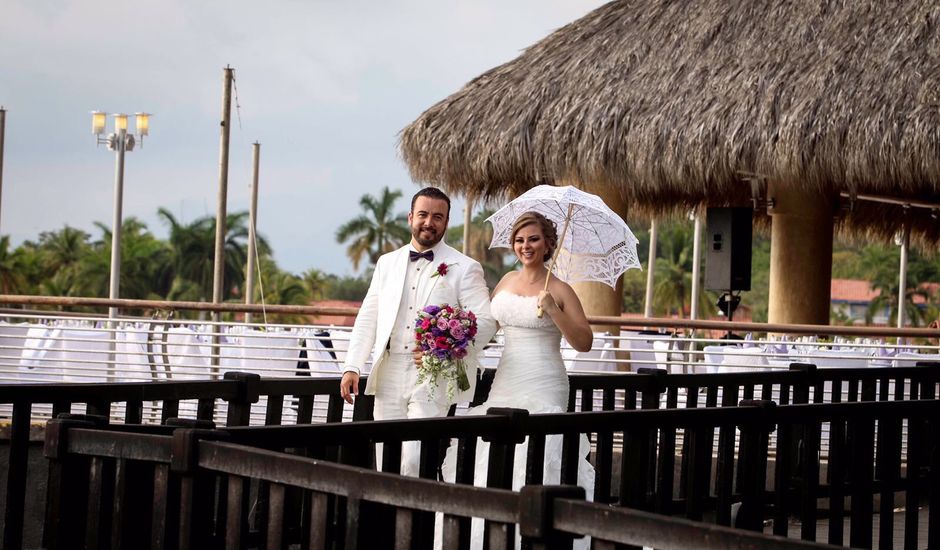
[(672, 286), (68, 262), (72, 262), (493, 260), (377, 231)]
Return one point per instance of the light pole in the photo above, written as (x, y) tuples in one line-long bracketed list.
[(118, 141), (3, 125)]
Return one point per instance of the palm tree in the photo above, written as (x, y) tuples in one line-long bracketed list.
[(57, 256), (493, 260), (63, 249), (281, 288), (29, 266), (880, 266), (192, 255), (145, 263), (316, 283), (673, 290), (377, 231), (11, 275)]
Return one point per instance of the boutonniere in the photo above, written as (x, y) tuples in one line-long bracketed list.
[(441, 270)]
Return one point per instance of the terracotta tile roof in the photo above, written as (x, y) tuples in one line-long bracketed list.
[(852, 290), (337, 320), (859, 291)]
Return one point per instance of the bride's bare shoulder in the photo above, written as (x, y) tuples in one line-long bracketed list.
[(506, 280)]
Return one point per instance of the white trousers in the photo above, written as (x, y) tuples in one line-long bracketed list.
[(398, 396)]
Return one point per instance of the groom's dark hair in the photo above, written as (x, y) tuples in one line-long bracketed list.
[(431, 193)]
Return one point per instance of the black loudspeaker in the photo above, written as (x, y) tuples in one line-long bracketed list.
[(728, 248)]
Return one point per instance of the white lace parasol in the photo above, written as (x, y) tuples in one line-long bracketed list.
[(597, 244)]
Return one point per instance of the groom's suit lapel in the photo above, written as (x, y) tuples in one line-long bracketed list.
[(396, 283), (428, 281)]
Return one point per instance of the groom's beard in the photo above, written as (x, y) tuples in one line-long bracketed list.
[(426, 237)]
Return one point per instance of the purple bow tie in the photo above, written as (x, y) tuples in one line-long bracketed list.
[(427, 255)]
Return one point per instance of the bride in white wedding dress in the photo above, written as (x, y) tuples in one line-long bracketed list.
[(531, 374)]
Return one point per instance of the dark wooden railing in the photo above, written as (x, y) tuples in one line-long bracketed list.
[(342, 506), (239, 390), (188, 463), (653, 389), (803, 383)]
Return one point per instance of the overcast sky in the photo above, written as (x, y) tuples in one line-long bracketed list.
[(325, 86)]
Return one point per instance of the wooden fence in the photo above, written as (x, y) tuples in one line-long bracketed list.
[(654, 389), (134, 478)]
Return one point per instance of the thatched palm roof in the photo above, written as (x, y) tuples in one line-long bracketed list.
[(669, 101)]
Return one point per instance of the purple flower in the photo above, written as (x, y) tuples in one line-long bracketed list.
[(445, 331)]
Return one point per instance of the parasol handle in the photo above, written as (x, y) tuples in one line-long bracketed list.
[(564, 231)]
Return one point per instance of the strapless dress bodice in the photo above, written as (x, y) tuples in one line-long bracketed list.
[(531, 373)]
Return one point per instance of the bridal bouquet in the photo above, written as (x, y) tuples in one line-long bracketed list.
[(443, 333)]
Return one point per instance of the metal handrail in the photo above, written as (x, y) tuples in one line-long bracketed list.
[(709, 325)]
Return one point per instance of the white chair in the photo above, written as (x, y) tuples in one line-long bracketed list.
[(187, 353), (321, 362), (714, 355), (743, 360), (602, 357), (910, 359), (340, 341), (838, 358), (72, 354), (12, 340), (133, 360), (263, 353), (648, 350)]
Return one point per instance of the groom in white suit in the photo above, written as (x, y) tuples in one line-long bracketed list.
[(424, 272)]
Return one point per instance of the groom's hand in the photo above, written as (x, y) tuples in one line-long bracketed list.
[(418, 354), (349, 386)]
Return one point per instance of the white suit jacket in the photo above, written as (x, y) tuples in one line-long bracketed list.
[(463, 284)]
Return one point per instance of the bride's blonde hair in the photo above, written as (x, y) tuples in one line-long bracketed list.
[(548, 230)]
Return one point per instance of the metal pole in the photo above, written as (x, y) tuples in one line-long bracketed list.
[(115, 287), (696, 264), (651, 266), (3, 126), (217, 278), (252, 220), (902, 275), (218, 273), (467, 219), (115, 290)]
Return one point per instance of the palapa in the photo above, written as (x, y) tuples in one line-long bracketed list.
[(669, 102)]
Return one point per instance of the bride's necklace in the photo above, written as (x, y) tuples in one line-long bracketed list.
[(539, 280)]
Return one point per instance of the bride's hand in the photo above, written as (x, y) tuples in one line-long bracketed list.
[(547, 302), (418, 355)]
